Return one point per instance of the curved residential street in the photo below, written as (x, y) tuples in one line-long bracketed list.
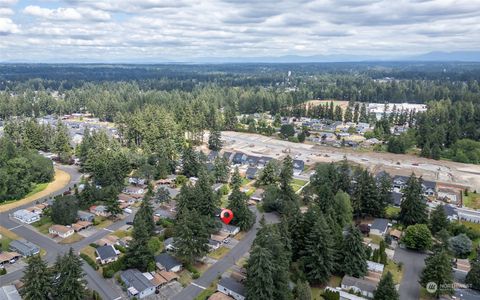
[(95, 281)]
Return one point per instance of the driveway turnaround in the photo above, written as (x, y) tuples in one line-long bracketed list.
[(413, 264)]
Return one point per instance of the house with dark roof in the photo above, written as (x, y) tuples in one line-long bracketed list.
[(212, 155), (379, 227), (264, 160), (450, 212), (25, 248), (251, 173), (168, 263), (213, 245), (85, 216), (429, 188), (232, 288), (169, 244), (239, 158), (137, 284), (396, 198), (364, 287), (107, 254), (252, 160), (399, 182), (298, 166), (227, 156)]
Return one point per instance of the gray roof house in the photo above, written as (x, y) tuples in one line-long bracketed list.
[(227, 156), (379, 227), (26, 216), (298, 166), (251, 173), (230, 229), (396, 198), (263, 161), (85, 216), (232, 288), (169, 244), (167, 262), (107, 254), (239, 158), (253, 160), (24, 247), (358, 285), (137, 284)]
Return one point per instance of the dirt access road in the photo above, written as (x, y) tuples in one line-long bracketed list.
[(396, 164)]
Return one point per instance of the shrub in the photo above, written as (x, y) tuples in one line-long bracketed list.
[(417, 237), (460, 245), (89, 260), (93, 245), (3, 271), (108, 273)]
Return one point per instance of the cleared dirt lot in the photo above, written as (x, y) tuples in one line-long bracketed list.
[(396, 164)]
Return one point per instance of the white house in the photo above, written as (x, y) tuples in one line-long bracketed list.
[(230, 229), (137, 284), (107, 254), (364, 287), (379, 227), (26, 216), (232, 288), (61, 231)]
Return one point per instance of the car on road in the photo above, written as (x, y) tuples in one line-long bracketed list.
[(226, 241), (129, 223)]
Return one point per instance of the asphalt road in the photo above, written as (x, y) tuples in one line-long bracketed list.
[(413, 264), (217, 269), (95, 281)]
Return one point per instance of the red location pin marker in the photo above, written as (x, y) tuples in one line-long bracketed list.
[(226, 215)]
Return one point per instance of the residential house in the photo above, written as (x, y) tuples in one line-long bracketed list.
[(345, 295), (429, 188), (85, 216), (107, 254), (230, 229), (298, 166), (26, 216), (450, 212), (448, 195), (257, 196), (213, 245), (399, 182), (169, 244), (470, 215), (81, 225), (212, 155), (168, 263), (108, 240), (232, 288), (379, 227), (253, 160), (395, 234), (137, 284), (124, 198), (156, 279), (9, 258), (251, 173), (9, 292), (61, 231), (99, 210), (364, 287), (264, 160), (239, 158), (220, 237), (228, 156), (25, 248), (217, 186), (169, 276), (134, 190), (375, 267), (396, 198), (136, 181)]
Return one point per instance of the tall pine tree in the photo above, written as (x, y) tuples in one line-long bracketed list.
[(37, 279), (354, 256), (69, 283), (413, 207), (386, 289)]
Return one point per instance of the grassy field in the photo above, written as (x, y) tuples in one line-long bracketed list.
[(72, 239), (393, 268), (43, 224), (61, 180), (472, 200), (474, 226), (392, 211), (90, 251), (206, 293), (184, 278), (122, 233), (7, 237), (219, 253), (297, 184), (317, 291), (102, 222), (376, 239)]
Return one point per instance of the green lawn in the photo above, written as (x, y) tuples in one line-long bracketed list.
[(472, 200), (475, 245), (474, 226), (297, 184), (393, 268), (102, 222), (4, 243), (184, 278), (316, 293), (43, 224), (376, 239), (37, 188), (72, 239), (219, 253), (122, 233), (392, 211), (206, 293)]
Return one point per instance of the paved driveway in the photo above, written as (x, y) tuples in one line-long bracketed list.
[(413, 264)]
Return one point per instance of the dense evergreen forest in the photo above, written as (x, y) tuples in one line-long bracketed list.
[(192, 98)]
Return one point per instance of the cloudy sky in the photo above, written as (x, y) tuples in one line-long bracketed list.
[(179, 30)]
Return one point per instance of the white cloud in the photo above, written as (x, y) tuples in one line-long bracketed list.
[(8, 27), (67, 14), (198, 28)]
